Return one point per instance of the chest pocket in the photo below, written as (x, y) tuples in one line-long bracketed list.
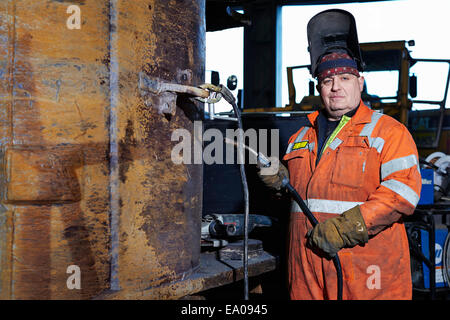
[(350, 165), (298, 163), (302, 153)]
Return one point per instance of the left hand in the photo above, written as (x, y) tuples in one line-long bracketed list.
[(345, 230)]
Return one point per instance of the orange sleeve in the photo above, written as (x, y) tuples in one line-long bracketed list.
[(400, 181)]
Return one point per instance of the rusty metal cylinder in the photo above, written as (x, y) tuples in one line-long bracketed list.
[(90, 198)]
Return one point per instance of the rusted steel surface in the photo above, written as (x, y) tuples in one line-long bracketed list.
[(54, 144), (160, 203), (86, 175)]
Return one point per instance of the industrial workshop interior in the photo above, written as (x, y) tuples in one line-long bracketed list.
[(169, 150)]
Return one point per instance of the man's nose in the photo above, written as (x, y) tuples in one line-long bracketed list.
[(336, 84)]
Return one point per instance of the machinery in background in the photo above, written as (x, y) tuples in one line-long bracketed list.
[(429, 242), (439, 162), (428, 228)]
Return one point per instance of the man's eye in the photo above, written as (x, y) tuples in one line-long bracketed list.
[(326, 82)]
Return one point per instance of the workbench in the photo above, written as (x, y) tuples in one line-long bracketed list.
[(211, 273)]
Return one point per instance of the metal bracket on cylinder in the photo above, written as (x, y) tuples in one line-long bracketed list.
[(164, 94)]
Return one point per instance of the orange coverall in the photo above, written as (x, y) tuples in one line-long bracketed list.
[(372, 162)]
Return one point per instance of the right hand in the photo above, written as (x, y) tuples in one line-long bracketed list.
[(273, 176)]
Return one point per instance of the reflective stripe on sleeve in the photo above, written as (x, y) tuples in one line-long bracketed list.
[(397, 165), (326, 206), (298, 139), (403, 190)]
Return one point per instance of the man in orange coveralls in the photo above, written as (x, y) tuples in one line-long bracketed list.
[(357, 170)]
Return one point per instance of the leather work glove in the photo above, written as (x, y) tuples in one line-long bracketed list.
[(346, 230), (273, 176)]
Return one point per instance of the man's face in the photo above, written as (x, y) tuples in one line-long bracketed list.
[(340, 94)]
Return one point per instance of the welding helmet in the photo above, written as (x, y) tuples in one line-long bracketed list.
[(333, 31)]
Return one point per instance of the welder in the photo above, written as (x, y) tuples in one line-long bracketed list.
[(357, 170)]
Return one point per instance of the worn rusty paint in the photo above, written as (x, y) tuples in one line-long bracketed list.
[(34, 130), (55, 139), (54, 146), (160, 202)]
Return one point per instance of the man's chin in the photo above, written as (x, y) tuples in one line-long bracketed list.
[(338, 113), (341, 108)]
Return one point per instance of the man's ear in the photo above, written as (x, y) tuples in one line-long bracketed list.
[(361, 83)]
